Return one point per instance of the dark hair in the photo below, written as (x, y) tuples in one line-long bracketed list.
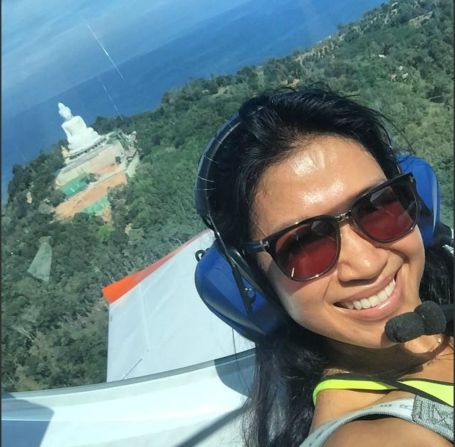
[(289, 364)]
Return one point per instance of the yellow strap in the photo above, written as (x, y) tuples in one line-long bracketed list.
[(443, 391)]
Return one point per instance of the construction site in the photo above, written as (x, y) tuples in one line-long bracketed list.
[(87, 180)]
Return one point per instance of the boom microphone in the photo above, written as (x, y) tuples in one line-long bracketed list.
[(434, 317), (427, 319), (404, 327)]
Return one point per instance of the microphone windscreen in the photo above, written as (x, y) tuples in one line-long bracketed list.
[(434, 320), (404, 327)]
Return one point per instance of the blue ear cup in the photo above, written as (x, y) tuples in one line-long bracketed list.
[(214, 276), (216, 286), (428, 191)]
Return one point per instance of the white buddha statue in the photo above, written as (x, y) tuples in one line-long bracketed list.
[(79, 136)]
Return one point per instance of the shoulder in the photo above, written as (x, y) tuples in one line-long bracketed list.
[(336, 403), (388, 431)]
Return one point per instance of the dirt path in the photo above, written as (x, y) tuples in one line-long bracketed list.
[(85, 198)]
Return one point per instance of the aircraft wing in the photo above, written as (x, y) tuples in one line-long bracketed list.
[(176, 374)]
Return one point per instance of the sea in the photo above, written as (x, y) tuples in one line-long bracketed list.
[(243, 36)]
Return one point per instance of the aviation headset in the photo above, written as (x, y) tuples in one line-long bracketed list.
[(230, 286)]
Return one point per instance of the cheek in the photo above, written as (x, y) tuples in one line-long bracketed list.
[(303, 302), (285, 289), (420, 254), (416, 252)]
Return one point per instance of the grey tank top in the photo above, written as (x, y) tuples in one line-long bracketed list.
[(435, 416)]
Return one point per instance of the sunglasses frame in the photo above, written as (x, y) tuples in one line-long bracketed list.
[(268, 244)]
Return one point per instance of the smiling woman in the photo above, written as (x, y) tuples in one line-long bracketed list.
[(310, 204), (344, 303)]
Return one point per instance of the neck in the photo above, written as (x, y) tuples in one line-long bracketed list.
[(393, 361)]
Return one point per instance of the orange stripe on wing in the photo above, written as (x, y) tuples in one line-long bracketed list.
[(114, 291)]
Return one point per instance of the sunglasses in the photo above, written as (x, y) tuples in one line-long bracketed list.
[(309, 249)]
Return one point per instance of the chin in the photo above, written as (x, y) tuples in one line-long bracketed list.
[(373, 338)]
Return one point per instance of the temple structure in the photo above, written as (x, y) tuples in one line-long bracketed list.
[(94, 164)]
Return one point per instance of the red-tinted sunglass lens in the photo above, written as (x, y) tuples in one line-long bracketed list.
[(309, 250), (387, 214)]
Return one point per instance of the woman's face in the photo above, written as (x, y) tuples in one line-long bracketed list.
[(324, 176)]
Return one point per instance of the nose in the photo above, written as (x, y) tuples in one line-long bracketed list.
[(360, 259)]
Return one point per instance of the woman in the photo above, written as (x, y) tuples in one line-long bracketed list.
[(307, 188)]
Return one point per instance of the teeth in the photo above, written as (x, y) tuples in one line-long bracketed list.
[(373, 300), (390, 287), (357, 305)]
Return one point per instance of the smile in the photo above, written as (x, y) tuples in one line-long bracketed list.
[(371, 301)]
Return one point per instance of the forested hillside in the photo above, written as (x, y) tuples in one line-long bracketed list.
[(397, 59)]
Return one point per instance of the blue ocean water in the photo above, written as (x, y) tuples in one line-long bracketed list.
[(245, 35)]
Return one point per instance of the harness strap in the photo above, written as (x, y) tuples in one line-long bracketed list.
[(441, 392)]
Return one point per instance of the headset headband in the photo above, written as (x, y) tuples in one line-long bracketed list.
[(205, 183)]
